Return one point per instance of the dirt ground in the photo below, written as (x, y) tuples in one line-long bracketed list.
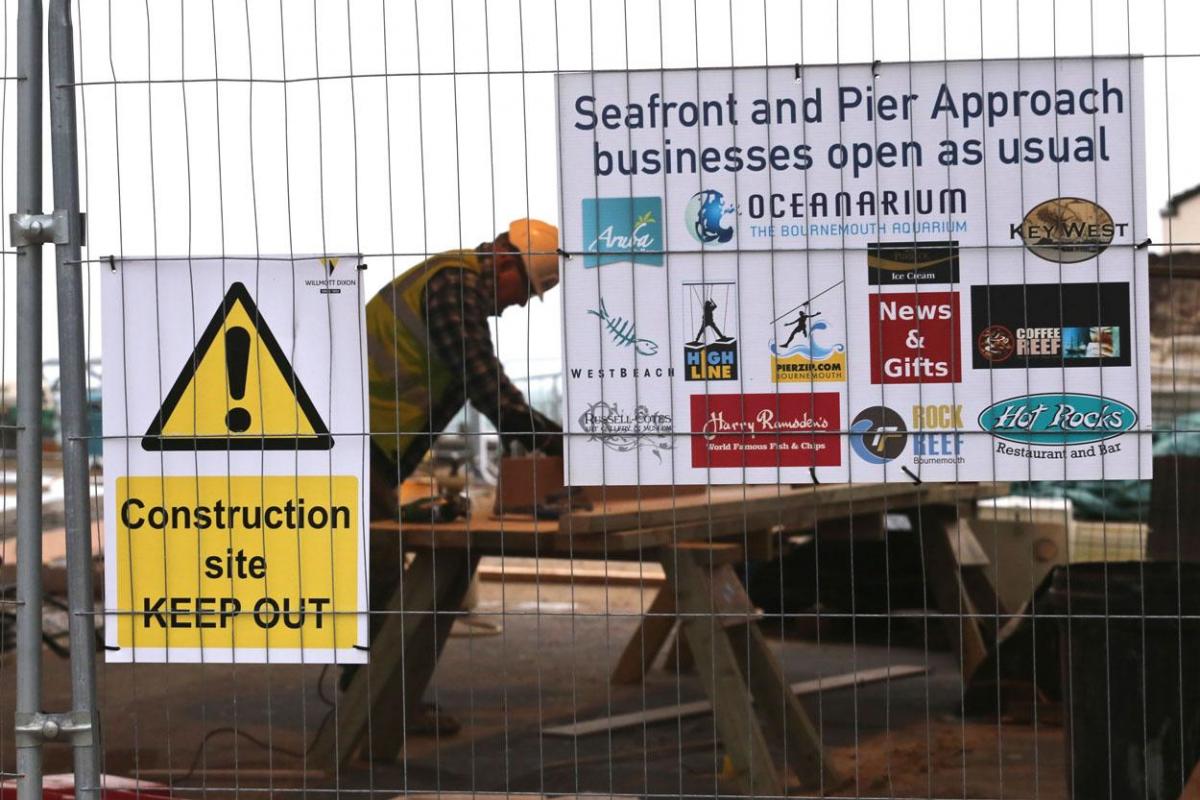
[(549, 664)]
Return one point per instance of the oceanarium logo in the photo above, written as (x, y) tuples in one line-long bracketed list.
[(617, 229), (706, 215)]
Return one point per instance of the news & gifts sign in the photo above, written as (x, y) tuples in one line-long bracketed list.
[(926, 273)]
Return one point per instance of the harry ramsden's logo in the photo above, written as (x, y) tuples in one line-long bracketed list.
[(622, 432), (764, 422), (623, 332), (1067, 230)]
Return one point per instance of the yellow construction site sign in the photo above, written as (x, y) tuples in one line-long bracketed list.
[(236, 523), (237, 391)]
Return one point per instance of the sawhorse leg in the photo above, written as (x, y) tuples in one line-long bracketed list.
[(403, 657), (739, 671)]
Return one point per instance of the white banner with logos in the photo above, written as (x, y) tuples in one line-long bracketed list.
[(930, 272)]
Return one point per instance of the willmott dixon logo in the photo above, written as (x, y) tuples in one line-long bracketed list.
[(617, 229)]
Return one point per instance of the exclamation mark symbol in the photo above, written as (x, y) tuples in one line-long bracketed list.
[(237, 359)]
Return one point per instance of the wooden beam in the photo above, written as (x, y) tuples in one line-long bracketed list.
[(402, 660), (646, 642), (741, 736), (651, 716)]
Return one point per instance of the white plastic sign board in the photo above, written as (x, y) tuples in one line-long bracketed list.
[(236, 500), (923, 271)]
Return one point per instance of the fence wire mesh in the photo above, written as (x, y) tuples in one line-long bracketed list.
[(641, 615)]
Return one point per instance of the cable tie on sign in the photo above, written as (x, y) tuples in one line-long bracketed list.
[(361, 266), (875, 65), (916, 478), (112, 263), (812, 473), (563, 253), (797, 72), (1142, 245), (112, 648), (362, 648)]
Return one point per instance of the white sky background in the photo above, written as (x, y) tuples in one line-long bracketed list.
[(408, 165)]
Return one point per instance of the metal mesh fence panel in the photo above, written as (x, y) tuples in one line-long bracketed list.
[(554, 398)]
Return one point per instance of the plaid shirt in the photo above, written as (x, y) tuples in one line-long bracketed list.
[(457, 305)]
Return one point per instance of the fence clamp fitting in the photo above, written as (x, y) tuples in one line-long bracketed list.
[(34, 729), (53, 228)]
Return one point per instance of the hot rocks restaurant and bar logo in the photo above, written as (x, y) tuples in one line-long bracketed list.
[(1067, 230), (1057, 425), (710, 315), (908, 263), (1050, 325), (617, 229), (766, 430), (622, 431), (915, 337)]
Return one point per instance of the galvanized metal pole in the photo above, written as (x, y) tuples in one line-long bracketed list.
[(29, 406), (71, 336)]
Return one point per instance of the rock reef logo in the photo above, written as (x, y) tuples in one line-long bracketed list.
[(705, 214), (1067, 230)]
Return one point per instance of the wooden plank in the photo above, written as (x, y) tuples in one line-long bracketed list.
[(939, 527), (403, 656), (512, 573), (752, 767), (695, 708), (647, 640), (737, 501), (778, 707)]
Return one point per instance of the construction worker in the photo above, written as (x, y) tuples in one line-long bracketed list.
[(429, 352)]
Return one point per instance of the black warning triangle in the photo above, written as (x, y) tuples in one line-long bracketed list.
[(237, 391)]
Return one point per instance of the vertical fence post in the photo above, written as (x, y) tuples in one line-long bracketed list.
[(29, 405), (71, 335)]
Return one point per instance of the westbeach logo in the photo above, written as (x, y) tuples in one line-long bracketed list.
[(1067, 230), (623, 432), (706, 215), (810, 350), (622, 331), (617, 229), (1058, 419)]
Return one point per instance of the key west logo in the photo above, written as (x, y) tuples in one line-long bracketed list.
[(617, 229), (1057, 419)]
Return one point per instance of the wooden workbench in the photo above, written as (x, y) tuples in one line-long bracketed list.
[(695, 537)]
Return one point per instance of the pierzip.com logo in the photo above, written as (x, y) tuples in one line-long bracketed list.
[(619, 229)]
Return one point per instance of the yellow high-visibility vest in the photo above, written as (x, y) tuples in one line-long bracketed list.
[(406, 378)]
